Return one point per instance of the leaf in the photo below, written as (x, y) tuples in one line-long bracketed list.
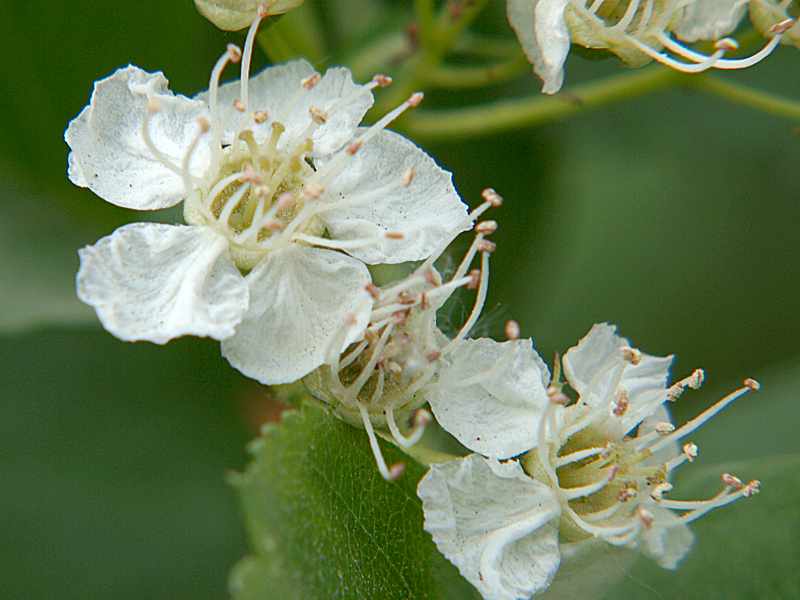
[(748, 550), (324, 524)]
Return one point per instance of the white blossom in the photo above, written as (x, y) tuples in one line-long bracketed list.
[(599, 468), (637, 31), (285, 197)]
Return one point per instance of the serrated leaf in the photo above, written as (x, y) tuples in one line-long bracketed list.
[(324, 524)]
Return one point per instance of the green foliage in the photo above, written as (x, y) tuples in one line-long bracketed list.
[(324, 524)]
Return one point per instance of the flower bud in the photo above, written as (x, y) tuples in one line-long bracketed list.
[(232, 15)]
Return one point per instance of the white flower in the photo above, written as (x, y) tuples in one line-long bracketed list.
[(233, 15), (285, 199), (478, 389), (599, 468), (635, 30)]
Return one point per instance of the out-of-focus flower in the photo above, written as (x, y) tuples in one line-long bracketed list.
[(232, 15), (285, 196), (637, 31), (599, 468)]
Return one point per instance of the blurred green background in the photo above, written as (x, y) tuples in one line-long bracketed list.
[(675, 216)]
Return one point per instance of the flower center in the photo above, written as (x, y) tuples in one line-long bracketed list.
[(258, 192), (609, 485)]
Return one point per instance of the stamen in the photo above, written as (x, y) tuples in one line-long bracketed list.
[(693, 381), (573, 457), (310, 82), (422, 419), (703, 417), (232, 55), (248, 55), (398, 468), (486, 227), (204, 126), (512, 330), (480, 300), (631, 355), (408, 176), (152, 108)]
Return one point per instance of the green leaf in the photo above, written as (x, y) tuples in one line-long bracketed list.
[(324, 524), (748, 550)]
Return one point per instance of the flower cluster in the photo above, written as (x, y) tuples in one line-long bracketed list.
[(639, 31), (287, 201)]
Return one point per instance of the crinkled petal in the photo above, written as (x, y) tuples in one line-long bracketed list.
[(542, 31), (493, 522), (491, 396), (155, 282), (710, 19), (369, 198), (279, 92), (646, 384), (300, 300), (108, 151), (587, 365), (232, 15), (668, 540)]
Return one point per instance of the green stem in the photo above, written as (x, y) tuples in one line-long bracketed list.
[(507, 115), (740, 94), (423, 9), (470, 77)]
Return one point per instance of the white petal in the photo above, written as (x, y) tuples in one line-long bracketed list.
[(280, 93), (587, 365), (493, 522), (668, 540), (491, 396), (233, 15), (109, 154), (710, 19), (542, 31), (155, 282), (300, 299), (371, 199), (646, 384)]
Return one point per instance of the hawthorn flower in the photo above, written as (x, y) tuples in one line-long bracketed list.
[(598, 468), (637, 31), (477, 388), (285, 199)]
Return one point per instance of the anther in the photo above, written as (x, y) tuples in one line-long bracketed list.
[(752, 488), (727, 44), (313, 190), (783, 26), (274, 225), (263, 9), (408, 176), (239, 105), (415, 99), (373, 290), (319, 116), (659, 490), (260, 116), (234, 53), (752, 384), (354, 147), (632, 355), (622, 402), (731, 481), (311, 81), (153, 105), (396, 471), (664, 428), (395, 235), (690, 451), (406, 298), (474, 279), (423, 301), (382, 80), (512, 330), (422, 418), (249, 174), (285, 201), (486, 227), (556, 396), (627, 493), (486, 246), (204, 124), (433, 355), (350, 320), (492, 197), (430, 277), (645, 516), (400, 317)]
